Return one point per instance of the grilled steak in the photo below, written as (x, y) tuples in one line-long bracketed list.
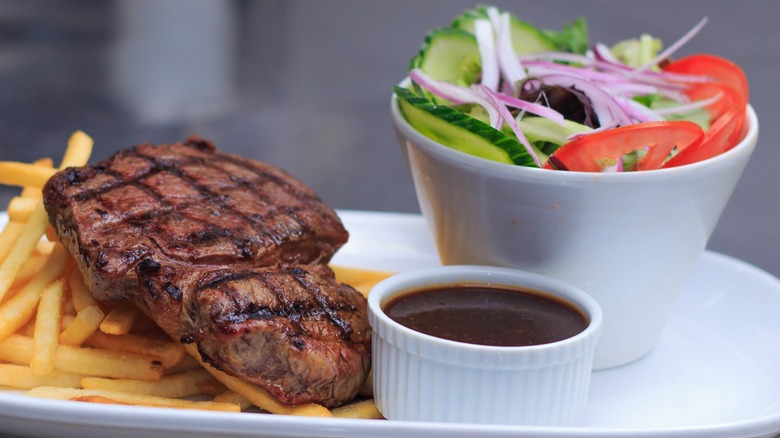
[(223, 251)]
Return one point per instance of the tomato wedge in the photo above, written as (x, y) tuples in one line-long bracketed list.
[(728, 112), (722, 70), (588, 153), (731, 82), (729, 98), (729, 105), (717, 139)]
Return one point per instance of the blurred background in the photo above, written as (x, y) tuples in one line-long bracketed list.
[(305, 85)]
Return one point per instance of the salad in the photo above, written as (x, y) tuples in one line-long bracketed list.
[(494, 86)]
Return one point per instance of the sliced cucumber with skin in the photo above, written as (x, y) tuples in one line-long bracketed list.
[(526, 38), (547, 136), (450, 55), (459, 131)]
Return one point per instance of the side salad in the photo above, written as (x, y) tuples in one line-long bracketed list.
[(499, 88)]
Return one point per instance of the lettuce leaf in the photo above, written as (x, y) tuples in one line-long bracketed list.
[(573, 38)]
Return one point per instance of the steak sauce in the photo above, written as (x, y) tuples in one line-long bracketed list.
[(487, 315)]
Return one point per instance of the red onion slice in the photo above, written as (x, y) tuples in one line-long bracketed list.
[(487, 52), (690, 106), (456, 94), (638, 112), (490, 95), (672, 48), (510, 66), (602, 53), (531, 107), (606, 108)]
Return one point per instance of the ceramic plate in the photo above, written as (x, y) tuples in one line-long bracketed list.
[(714, 372)]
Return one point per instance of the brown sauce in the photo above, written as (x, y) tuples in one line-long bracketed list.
[(487, 315)]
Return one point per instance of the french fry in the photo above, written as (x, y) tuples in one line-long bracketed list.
[(87, 361), (101, 396), (32, 266), (78, 151), (174, 386), (68, 312), (76, 154), (66, 319), (8, 236), (45, 162), (51, 234), (258, 396), (365, 409), (47, 329), (234, 398), (212, 387), (13, 173), (20, 208), (35, 192), (17, 311), (32, 175), (119, 320), (45, 246), (188, 363), (169, 353), (20, 376), (361, 279), (28, 330), (22, 248), (84, 325), (79, 293), (99, 399)]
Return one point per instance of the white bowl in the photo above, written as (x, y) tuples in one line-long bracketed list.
[(629, 239), (418, 377)]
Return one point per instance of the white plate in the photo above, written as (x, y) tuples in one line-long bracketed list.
[(714, 372)]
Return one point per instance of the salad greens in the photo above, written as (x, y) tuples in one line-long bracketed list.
[(532, 93), (573, 38), (637, 52)]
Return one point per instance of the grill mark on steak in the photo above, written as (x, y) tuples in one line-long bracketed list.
[(293, 312), (224, 252), (315, 291), (220, 199), (147, 268), (217, 200), (120, 182), (225, 277), (160, 166)]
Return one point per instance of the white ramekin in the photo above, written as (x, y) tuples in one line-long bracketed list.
[(419, 377)]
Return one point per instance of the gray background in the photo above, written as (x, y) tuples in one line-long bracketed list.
[(305, 85)]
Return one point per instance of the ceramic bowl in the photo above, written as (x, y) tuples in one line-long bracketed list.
[(419, 377), (629, 239)]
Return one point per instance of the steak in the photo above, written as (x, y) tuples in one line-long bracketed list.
[(223, 251)]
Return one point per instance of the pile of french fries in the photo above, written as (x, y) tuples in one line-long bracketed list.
[(57, 341)]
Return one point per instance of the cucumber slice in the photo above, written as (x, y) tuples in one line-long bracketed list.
[(540, 129), (526, 38), (449, 55), (459, 131), (547, 136)]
